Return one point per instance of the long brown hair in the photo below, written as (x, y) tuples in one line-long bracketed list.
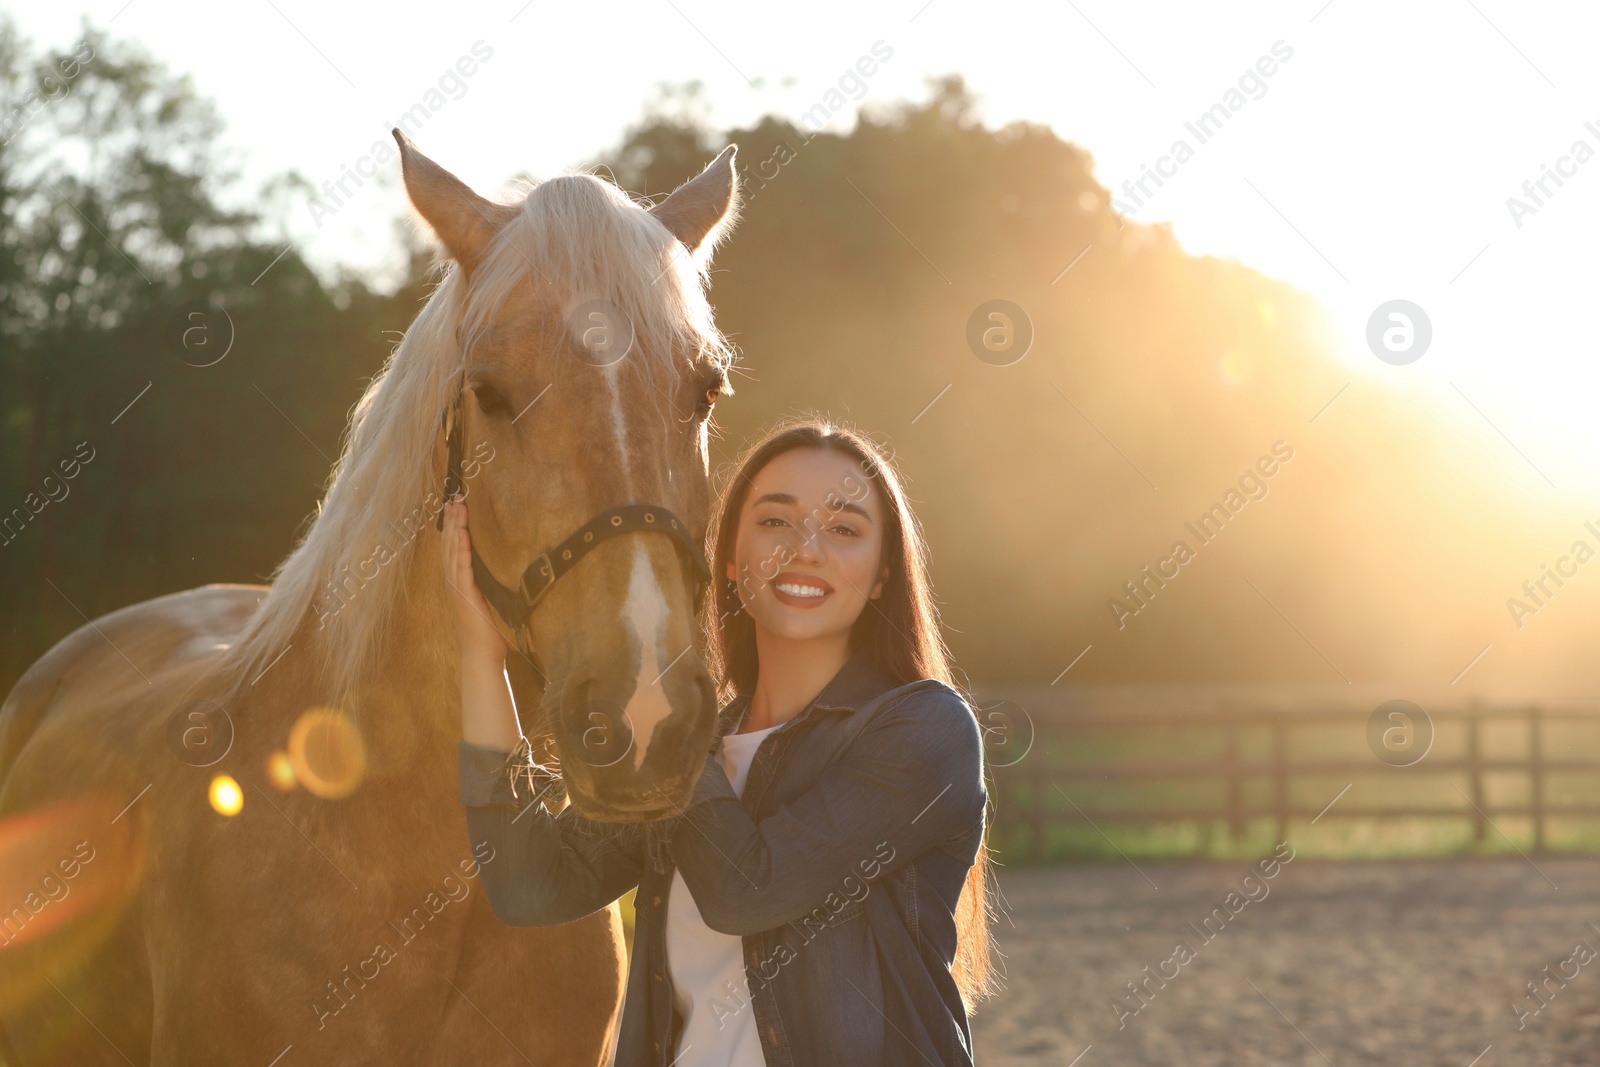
[(901, 628)]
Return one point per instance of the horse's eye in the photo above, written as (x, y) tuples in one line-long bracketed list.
[(713, 391), (490, 402)]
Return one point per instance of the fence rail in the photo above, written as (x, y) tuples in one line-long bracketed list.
[(1036, 793)]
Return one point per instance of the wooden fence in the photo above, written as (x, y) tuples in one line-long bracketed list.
[(1255, 765)]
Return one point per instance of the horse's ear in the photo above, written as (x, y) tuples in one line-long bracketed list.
[(464, 221), (702, 210)]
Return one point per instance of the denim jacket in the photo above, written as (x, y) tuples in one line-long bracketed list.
[(839, 868)]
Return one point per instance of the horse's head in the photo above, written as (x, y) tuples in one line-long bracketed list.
[(591, 364)]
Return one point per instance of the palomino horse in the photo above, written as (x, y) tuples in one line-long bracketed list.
[(229, 824)]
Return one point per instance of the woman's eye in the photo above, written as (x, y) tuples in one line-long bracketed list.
[(848, 531), (771, 518)]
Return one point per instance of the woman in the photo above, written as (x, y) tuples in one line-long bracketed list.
[(827, 905)]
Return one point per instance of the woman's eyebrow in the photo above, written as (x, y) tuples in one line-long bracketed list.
[(788, 498)]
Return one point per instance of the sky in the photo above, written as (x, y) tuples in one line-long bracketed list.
[(1372, 152)]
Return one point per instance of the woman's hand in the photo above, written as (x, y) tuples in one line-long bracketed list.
[(480, 639)]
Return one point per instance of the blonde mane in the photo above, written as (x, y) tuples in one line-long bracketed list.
[(582, 239)]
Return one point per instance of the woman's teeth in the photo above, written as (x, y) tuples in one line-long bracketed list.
[(799, 590)]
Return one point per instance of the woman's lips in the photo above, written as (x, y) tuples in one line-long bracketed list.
[(800, 590)]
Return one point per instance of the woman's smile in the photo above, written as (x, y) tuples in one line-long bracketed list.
[(800, 590)]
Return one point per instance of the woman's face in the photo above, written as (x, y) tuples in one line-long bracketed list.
[(808, 549)]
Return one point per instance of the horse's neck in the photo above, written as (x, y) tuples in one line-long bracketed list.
[(417, 680), (408, 694)]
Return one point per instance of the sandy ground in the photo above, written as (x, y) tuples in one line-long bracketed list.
[(1380, 962)]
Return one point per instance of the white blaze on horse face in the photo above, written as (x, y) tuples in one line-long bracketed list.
[(619, 425), (645, 614)]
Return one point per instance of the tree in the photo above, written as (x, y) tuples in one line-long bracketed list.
[(130, 454)]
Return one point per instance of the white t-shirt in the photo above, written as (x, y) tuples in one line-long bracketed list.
[(707, 967)]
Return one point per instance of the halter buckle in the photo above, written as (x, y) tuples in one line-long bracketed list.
[(544, 571)]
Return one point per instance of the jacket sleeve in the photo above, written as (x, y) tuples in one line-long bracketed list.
[(911, 780), (544, 869)]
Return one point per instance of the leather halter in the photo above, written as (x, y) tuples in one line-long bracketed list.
[(516, 606)]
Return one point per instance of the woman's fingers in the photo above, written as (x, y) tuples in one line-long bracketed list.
[(458, 563), (474, 624), (449, 538), (464, 565), (453, 529)]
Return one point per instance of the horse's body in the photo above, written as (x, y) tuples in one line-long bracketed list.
[(329, 911), (224, 949)]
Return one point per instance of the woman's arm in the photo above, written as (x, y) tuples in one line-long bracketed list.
[(911, 780), (544, 869), (488, 716)]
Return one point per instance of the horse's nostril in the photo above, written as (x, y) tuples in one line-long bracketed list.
[(601, 735), (577, 692)]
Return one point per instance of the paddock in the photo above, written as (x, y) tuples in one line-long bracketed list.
[(1341, 962)]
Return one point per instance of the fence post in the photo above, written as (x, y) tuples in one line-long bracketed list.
[(1280, 772), (1235, 786), (1536, 771), (1480, 824)]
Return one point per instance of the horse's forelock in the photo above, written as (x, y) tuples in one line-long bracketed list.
[(580, 238)]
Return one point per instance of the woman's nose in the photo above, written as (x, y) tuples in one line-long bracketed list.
[(810, 547)]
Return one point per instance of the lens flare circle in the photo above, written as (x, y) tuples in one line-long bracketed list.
[(327, 753), (225, 795)]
